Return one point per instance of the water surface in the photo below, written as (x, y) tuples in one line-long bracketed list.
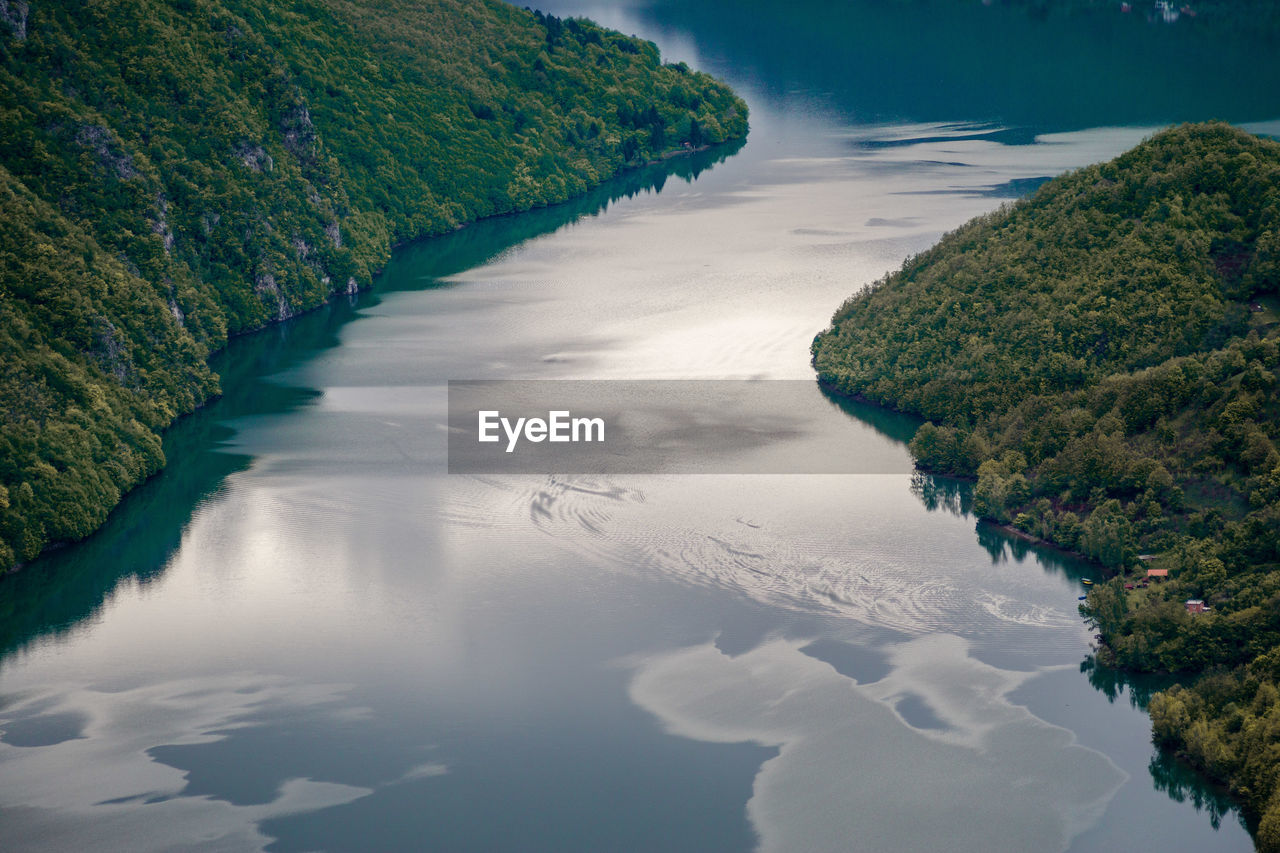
[(306, 635)]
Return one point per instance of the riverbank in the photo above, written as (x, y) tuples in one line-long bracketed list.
[(1100, 358), (142, 237), (304, 550)]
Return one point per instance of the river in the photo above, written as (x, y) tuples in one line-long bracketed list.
[(306, 635)]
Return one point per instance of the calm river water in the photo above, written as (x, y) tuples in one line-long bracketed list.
[(306, 635)]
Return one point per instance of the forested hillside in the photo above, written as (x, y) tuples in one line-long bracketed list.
[(172, 173), (1102, 357)]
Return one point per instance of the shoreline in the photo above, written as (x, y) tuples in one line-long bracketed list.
[(832, 391), (1102, 654), (666, 157)]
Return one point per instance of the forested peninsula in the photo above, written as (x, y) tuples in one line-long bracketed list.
[(175, 173), (1102, 358)]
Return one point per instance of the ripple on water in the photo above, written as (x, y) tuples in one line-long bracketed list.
[(680, 528)]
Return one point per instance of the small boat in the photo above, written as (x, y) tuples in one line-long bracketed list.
[(1087, 582), (1082, 598)]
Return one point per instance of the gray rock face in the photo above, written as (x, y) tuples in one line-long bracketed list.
[(108, 152), (267, 288), (299, 133), (160, 224), (255, 157), (110, 352), (14, 15)]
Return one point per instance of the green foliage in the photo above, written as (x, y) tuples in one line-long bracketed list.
[(1103, 358), (1001, 486), (1110, 270), (171, 174)]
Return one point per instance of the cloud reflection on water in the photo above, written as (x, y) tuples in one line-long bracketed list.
[(991, 777), (108, 781)]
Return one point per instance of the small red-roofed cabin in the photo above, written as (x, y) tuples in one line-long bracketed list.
[(1158, 574)]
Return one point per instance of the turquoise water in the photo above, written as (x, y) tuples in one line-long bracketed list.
[(306, 635)]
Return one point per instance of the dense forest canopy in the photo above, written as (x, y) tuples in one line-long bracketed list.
[(172, 173), (1102, 357)]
